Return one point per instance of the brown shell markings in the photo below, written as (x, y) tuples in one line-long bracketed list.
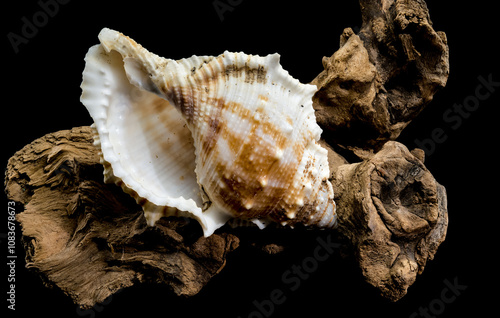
[(253, 134)]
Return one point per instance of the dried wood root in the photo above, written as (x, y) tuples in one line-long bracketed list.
[(380, 79), (390, 207), (393, 213), (90, 239)]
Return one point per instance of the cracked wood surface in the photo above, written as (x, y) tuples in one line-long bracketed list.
[(90, 239)]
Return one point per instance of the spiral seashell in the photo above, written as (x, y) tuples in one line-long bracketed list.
[(212, 138)]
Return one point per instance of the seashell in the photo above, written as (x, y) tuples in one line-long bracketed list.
[(211, 138)]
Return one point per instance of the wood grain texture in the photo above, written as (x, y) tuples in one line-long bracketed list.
[(90, 239)]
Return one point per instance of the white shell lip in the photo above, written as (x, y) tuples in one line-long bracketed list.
[(101, 97), (133, 96)]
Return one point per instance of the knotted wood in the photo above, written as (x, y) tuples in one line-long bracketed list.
[(380, 79), (393, 213), (90, 239)]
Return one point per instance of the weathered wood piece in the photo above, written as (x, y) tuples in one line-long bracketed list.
[(90, 239), (380, 79), (393, 213)]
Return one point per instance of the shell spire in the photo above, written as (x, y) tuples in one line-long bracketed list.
[(212, 138)]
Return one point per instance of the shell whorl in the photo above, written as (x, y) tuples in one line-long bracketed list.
[(253, 129)]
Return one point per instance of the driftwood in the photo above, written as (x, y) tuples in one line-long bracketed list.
[(392, 210), (394, 214), (382, 78), (90, 239)]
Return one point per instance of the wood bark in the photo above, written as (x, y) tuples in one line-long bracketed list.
[(393, 213), (382, 78), (90, 239)]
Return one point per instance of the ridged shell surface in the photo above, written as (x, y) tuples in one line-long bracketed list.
[(211, 138)]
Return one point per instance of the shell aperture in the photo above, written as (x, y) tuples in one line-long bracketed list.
[(211, 138)]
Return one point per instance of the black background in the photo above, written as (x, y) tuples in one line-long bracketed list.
[(41, 90)]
